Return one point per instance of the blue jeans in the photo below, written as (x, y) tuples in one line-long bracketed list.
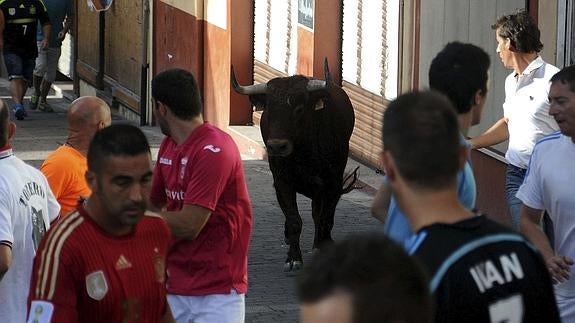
[(513, 180)]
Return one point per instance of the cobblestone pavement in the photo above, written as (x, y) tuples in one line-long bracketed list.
[(271, 296)]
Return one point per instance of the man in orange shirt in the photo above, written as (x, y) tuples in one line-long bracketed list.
[(66, 166)]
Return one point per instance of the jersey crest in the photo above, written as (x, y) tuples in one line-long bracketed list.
[(11, 11), (96, 285), (184, 163), (32, 10)]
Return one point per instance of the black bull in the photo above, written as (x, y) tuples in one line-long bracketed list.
[(306, 125)]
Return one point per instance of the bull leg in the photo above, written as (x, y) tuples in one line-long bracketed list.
[(325, 225), (316, 207), (292, 228)]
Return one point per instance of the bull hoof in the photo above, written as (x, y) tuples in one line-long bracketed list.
[(293, 266)]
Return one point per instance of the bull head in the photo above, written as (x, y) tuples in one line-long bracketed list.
[(284, 101)]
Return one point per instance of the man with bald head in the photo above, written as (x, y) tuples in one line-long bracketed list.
[(27, 206), (66, 166)]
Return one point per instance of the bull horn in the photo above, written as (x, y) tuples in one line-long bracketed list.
[(327, 75), (315, 85), (248, 89)]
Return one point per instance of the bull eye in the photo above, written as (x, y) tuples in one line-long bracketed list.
[(298, 109)]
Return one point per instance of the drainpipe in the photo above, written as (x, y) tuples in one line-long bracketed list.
[(102, 49), (145, 65)]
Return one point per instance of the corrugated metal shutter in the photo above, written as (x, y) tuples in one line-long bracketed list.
[(275, 35), (275, 41), (370, 67), (262, 74)]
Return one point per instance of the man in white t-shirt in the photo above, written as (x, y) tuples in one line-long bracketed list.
[(525, 110), (27, 206), (548, 186)]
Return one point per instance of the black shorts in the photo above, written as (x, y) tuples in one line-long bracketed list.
[(19, 67)]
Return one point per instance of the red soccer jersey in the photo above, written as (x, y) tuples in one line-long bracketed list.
[(83, 274), (206, 170)]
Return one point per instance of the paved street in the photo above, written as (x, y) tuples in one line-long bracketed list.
[(271, 296)]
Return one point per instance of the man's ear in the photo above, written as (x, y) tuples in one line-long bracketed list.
[(162, 108), (91, 180), (11, 130), (477, 109), (389, 166), (510, 46), (478, 97)]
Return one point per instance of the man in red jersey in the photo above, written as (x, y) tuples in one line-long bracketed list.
[(199, 181), (105, 262)]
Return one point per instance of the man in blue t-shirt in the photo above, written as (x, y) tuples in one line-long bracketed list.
[(61, 14), (460, 72)]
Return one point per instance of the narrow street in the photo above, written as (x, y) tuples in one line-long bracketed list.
[(271, 296)]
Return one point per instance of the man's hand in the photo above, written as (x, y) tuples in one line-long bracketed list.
[(559, 268), (44, 44), (61, 36)]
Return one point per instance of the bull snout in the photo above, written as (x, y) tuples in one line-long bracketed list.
[(279, 147)]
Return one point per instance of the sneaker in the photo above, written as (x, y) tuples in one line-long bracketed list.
[(19, 112), (33, 102), (45, 107)]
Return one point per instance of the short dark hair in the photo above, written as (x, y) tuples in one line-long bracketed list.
[(385, 284), (459, 70), (565, 76), (521, 29), (4, 121), (420, 130), (178, 89), (116, 140)]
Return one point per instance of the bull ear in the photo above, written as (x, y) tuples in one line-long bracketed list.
[(319, 105), (258, 101)]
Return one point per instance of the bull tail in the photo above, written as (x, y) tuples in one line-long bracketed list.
[(349, 181)]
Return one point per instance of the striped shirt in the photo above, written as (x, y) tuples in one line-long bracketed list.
[(83, 274)]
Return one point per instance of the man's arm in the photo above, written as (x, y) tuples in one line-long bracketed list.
[(168, 317), (54, 291), (559, 266), (380, 205), (65, 29), (46, 30), (188, 222), (5, 259), (498, 133)]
